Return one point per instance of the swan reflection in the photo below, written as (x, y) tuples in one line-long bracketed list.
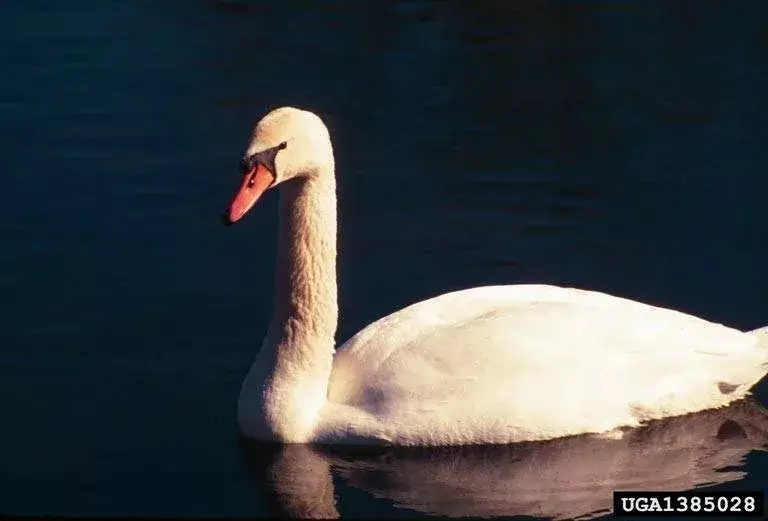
[(559, 479)]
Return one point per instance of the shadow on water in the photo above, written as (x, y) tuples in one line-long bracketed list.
[(568, 478)]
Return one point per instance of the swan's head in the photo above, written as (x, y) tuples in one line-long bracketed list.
[(286, 144)]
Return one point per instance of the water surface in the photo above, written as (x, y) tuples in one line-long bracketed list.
[(615, 146)]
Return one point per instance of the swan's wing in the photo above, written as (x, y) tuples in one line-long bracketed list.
[(557, 359)]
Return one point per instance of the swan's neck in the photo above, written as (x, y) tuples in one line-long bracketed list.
[(305, 306), (288, 383)]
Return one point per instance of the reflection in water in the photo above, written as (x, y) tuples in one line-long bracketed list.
[(559, 479)]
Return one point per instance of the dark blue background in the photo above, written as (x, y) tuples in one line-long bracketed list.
[(616, 146)]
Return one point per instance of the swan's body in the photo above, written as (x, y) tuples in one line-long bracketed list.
[(495, 364), (500, 364)]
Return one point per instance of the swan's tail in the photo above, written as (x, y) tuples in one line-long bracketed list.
[(762, 342), (762, 336)]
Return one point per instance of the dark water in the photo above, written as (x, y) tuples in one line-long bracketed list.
[(616, 146)]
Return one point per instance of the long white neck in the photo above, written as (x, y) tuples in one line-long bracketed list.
[(288, 382), (305, 273)]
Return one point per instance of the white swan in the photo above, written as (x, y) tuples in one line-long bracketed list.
[(495, 364)]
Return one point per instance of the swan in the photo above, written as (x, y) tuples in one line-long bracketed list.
[(487, 365)]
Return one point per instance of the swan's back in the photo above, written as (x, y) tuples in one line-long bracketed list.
[(507, 363)]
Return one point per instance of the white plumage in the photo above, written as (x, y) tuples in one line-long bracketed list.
[(496, 364), (501, 364)]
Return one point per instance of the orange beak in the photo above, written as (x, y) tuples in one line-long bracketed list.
[(255, 183)]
